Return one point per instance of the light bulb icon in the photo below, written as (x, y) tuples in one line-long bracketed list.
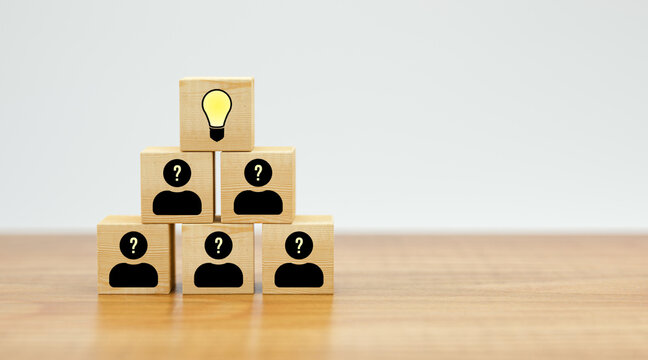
[(216, 105)]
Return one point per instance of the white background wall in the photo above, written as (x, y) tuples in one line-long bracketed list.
[(407, 116)]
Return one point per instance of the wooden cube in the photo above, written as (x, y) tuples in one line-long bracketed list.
[(134, 258), (258, 186), (177, 187), (218, 258), (217, 114), (298, 257)]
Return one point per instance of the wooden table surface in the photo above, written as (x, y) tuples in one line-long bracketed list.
[(505, 297)]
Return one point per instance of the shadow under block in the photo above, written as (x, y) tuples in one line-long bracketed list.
[(217, 114), (298, 258), (258, 186), (134, 258), (177, 187), (218, 258)]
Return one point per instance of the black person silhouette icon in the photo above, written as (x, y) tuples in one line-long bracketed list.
[(299, 245), (177, 173), (258, 173), (218, 245), (133, 245)]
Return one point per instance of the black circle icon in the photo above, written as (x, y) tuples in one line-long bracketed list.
[(258, 172), (299, 245), (133, 245), (177, 173), (218, 245)]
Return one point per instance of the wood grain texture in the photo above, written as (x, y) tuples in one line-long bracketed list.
[(428, 297), (152, 163), (233, 182), (239, 124)]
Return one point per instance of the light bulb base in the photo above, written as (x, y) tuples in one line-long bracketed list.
[(217, 134)]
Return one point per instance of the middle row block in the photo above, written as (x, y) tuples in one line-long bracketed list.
[(256, 186)]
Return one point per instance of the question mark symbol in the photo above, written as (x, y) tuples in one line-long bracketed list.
[(219, 242), (177, 169), (258, 169), (133, 241), (299, 241)]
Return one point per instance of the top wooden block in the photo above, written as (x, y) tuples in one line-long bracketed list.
[(217, 114)]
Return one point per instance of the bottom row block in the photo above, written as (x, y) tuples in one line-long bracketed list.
[(217, 258), (298, 257), (135, 258)]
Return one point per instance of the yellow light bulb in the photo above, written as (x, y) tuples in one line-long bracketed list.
[(217, 105)]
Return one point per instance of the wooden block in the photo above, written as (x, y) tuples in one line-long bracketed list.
[(258, 186), (218, 258), (217, 114), (177, 187), (298, 257), (134, 258)]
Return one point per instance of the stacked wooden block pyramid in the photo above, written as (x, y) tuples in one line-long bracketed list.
[(136, 254)]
